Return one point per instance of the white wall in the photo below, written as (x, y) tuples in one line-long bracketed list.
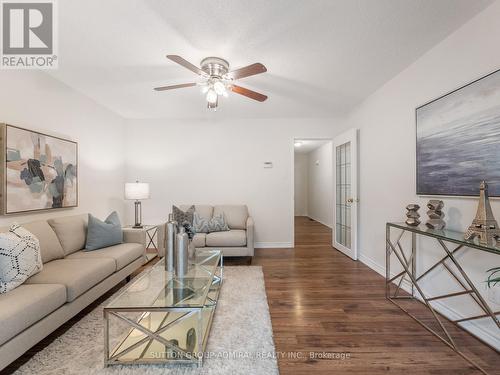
[(320, 184), (301, 183), (34, 100), (387, 154), (217, 162)]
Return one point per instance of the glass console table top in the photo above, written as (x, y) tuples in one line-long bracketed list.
[(448, 235), (158, 288)]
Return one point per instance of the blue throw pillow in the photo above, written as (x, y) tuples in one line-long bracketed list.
[(104, 233)]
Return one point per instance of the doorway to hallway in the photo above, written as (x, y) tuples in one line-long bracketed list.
[(313, 181)]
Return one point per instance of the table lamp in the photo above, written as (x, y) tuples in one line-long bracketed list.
[(137, 191)]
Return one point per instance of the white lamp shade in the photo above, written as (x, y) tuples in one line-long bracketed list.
[(136, 190)]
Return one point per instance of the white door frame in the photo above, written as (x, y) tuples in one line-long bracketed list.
[(351, 136)]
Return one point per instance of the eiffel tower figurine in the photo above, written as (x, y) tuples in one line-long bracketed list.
[(484, 225)]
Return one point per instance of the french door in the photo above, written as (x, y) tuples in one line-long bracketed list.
[(346, 193)]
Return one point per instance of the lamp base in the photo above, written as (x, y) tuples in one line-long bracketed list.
[(138, 226), (138, 214)]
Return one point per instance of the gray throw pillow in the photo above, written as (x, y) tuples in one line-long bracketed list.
[(104, 233), (200, 224), (218, 224), (183, 217), (215, 224)]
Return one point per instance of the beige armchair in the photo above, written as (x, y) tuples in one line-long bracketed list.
[(238, 241)]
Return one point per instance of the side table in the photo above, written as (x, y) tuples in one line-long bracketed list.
[(148, 235)]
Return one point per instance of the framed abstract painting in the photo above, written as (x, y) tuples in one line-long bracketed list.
[(458, 140), (39, 171)]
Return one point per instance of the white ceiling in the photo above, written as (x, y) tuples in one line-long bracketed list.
[(323, 56), (308, 145)]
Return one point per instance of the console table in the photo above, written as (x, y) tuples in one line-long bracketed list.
[(407, 258)]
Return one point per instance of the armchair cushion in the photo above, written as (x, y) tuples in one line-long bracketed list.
[(199, 239), (205, 211), (236, 215), (232, 238)]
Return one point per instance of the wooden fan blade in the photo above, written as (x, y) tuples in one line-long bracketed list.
[(163, 88), (186, 64), (247, 71), (248, 93)]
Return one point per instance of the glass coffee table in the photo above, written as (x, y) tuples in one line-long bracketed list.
[(163, 318)]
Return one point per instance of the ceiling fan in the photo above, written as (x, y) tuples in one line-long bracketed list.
[(217, 79)]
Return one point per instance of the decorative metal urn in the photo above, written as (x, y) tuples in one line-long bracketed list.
[(181, 253), (412, 215), (435, 214), (484, 226), (172, 229)]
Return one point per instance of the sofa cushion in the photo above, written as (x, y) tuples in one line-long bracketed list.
[(27, 304), (50, 247), (71, 232), (199, 239), (234, 237), (236, 215), (123, 254), (78, 275), (205, 211)]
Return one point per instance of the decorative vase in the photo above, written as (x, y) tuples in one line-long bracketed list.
[(435, 214), (412, 215), (172, 230), (181, 253)]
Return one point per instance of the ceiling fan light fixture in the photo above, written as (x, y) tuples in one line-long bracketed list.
[(211, 96), (219, 88), (217, 79)]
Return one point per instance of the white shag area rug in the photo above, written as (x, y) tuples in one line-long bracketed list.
[(241, 338)]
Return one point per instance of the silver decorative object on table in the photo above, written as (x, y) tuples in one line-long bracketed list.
[(435, 214), (181, 253), (412, 215), (484, 226), (170, 244)]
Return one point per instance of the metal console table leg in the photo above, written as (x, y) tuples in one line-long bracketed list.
[(408, 262)]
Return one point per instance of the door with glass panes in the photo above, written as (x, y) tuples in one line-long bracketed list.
[(346, 193)]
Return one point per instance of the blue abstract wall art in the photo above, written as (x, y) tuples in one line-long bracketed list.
[(458, 140)]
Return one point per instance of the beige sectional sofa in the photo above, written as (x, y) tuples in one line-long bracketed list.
[(238, 241), (70, 280)]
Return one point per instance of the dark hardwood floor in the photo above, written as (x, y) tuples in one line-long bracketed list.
[(323, 302)]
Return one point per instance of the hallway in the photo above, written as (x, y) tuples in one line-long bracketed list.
[(321, 301)]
